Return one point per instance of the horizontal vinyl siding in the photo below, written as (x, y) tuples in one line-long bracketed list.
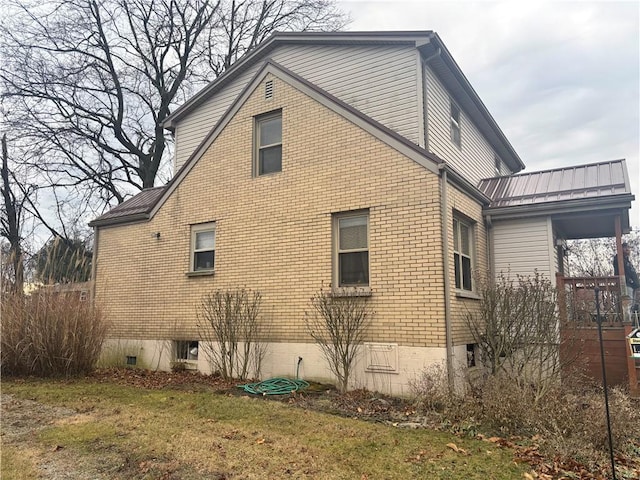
[(475, 159), (380, 81), (523, 246), (191, 130)]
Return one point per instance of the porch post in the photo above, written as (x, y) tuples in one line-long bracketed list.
[(625, 300), (562, 301)]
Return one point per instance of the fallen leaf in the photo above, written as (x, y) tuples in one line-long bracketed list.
[(260, 441), (453, 447)]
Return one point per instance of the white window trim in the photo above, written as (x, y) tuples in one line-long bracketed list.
[(349, 289), (195, 229), (455, 123), (472, 255), (257, 122)]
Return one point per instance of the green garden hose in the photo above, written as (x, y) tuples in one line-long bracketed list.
[(275, 386)]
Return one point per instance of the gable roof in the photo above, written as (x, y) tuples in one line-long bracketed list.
[(144, 205), (428, 43)]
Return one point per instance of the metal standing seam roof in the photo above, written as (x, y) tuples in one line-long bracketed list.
[(595, 180), (138, 206)]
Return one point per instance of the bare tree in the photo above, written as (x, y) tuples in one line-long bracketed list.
[(338, 324), (14, 197), (593, 257), (89, 84)]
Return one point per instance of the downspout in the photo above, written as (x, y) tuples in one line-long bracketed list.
[(447, 280), (425, 107), (94, 265), (490, 250), (425, 93)]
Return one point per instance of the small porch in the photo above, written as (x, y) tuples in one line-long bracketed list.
[(579, 340), (542, 211)]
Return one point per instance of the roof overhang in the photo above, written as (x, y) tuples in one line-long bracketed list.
[(575, 218)]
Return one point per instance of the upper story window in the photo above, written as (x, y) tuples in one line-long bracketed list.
[(463, 247), (351, 231), (498, 165), (203, 246), (456, 136), (268, 141)]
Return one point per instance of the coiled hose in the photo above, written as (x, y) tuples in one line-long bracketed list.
[(275, 386)]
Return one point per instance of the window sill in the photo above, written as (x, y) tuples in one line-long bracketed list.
[(351, 292), (179, 364), (467, 294), (200, 273)]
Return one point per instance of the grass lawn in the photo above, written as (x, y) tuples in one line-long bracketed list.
[(125, 432)]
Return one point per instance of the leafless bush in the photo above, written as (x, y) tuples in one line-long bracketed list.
[(431, 388), (568, 421), (49, 334), (230, 323), (518, 333), (338, 324)]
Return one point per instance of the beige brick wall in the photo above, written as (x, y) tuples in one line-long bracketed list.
[(274, 233), (460, 203)]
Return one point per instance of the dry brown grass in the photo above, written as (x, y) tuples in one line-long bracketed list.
[(50, 334)]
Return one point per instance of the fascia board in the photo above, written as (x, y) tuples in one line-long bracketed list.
[(561, 207)]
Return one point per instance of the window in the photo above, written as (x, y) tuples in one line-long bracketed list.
[(203, 247), (462, 253), (455, 124), (352, 245), (268, 139), (186, 350), (471, 354)]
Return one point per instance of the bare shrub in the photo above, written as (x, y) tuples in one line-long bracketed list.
[(230, 323), (568, 421), (518, 333), (431, 388), (50, 334), (338, 325)]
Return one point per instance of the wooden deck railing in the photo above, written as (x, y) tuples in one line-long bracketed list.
[(577, 302)]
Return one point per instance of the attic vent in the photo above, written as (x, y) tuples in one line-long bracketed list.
[(268, 89)]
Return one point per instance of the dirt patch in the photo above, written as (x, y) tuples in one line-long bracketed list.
[(22, 419)]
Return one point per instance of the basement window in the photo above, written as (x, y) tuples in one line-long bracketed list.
[(186, 350)]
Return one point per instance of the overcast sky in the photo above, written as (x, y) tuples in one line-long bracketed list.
[(561, 79)]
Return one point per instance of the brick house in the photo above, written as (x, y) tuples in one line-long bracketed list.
[(354, 160)]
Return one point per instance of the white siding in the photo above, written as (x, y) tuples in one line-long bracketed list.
[(475, 158), (380, 81), (520, 247), (192, 129)]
